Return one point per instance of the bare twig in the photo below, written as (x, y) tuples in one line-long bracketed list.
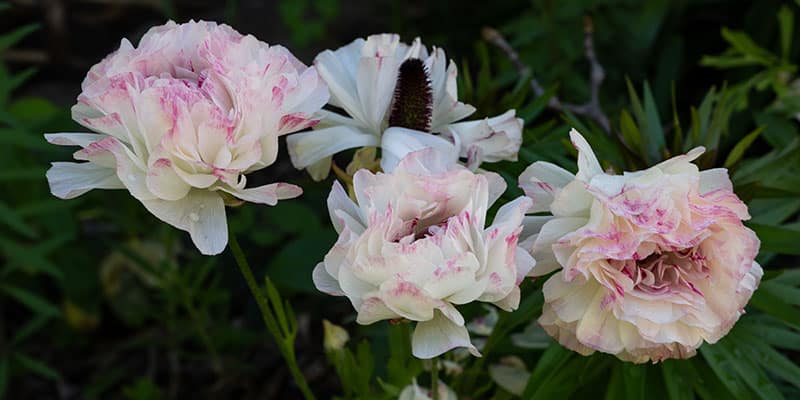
[(591, 109)]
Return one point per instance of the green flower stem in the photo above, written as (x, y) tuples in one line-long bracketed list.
[(435, 378), (282, 328)]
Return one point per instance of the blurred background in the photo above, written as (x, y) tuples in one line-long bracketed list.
[(99, 300)]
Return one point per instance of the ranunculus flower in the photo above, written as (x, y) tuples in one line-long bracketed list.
[(414, 246), (652, 263), (181, 118), (363, 80)]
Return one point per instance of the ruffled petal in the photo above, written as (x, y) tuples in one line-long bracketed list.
[(68, 180), (307, 148), (439, 335), (201, 213)]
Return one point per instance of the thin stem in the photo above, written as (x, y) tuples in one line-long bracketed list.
[(285, 344), (435, 378)]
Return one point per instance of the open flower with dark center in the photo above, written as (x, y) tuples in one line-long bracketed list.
[(386, 88), (415, 245), (652, 263), (182, 118)]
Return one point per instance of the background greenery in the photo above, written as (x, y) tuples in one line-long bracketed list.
[(100, 300)]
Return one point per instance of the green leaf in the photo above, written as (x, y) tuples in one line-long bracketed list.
[(775, 306), (30, 258), (12, 38), (767, 357), (32, 300), (635, 380), (743, 44), (679, 379), (552, 360), (37, 366), (724, 367), (630, 131), (738, 151), (33, 325), (786, 25), (15, 222), (654, 133), (777, 239)]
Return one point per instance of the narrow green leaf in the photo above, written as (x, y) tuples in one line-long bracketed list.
[(679, 379), (635, 380), (769, 358), (776, 307), (653, 132), (738, 151), (37, 366), (30, 258), (12, 38), (786, 25), (11, 219), (630, 131), (32, 300), (33, 325), (778, 239), (723, 366)]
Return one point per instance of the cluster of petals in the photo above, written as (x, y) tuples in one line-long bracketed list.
[(181, 118), (414, 245), (650, 263), (362, 77)]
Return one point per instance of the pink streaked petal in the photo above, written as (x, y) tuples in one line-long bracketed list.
[(164, 182)]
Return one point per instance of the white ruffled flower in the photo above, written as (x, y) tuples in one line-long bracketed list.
[(181, 118), (414, 246), (650, 263), (362, 77)]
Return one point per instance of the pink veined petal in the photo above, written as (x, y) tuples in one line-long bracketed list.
[(407, 300), (541, 181), (551, 232), (437, 336), (164, 182)]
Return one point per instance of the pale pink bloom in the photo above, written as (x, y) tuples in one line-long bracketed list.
[(651, 263), (414, 246), (362, 77), (182, 117)]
